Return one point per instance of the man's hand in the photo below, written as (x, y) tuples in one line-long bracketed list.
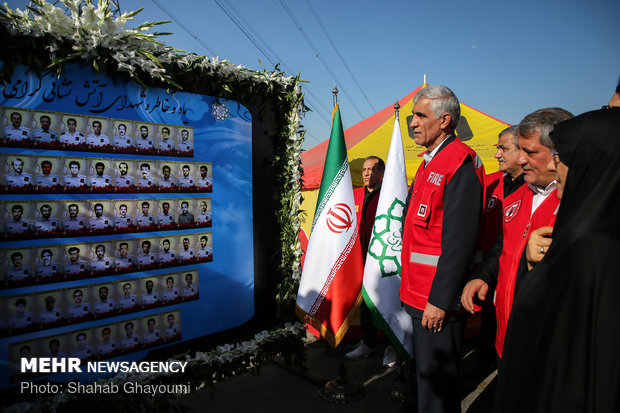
[(433, 318), (538, 245), (472, 288)]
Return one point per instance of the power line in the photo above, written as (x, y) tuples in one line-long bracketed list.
[(340, 55), (266, 51), (184, 27), (316, 51)]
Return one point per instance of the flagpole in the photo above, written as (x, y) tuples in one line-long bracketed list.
[(339, 390)]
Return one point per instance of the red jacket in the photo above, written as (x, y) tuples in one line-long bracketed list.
[(424, 221), (366, 222), (517, 226), (491, 223)]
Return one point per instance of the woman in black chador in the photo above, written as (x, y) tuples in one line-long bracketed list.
[(562, 351)]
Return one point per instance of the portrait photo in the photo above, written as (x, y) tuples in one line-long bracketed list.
[(18, 173), (75, 170), (100, 175), (45, 127), (71, 135), (98, 132), (48, 173), (75, 217), (16, 129), (76, 261), (17, 219), (17, 267), (47, 219), (48, 263)]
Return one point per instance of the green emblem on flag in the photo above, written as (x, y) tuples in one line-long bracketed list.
[(387, 239)]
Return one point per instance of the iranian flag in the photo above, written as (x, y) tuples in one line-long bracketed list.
[(332, 274), (381, 287)]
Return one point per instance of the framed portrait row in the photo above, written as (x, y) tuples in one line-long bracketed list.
[(36, 219), (26, 128), (67, 262)]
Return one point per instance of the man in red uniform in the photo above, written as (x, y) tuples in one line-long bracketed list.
[(499, 185), (530, 207), (366, 199), (439, 238)]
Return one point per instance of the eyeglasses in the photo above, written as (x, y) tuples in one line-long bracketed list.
[(556, 157)]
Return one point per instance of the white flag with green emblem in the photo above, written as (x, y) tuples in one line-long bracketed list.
[(381, 286)]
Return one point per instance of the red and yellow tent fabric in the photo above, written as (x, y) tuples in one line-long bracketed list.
[(372, 137)]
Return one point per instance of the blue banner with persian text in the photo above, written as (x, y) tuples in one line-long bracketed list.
[(125, 218)]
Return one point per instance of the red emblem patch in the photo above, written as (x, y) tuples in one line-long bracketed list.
[(512, 210)]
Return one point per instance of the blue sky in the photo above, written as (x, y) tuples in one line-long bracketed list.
[(504, 58)]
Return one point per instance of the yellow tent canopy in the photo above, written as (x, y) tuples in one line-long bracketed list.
[(372, 137)]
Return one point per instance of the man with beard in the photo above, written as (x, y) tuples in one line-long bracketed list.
[(100, 180), (18, 179), (105, 305), (122, 221), (51, 315), (186, 181), (144, 143), (45, 224), (47, 180), (101, 263), (75, 266), (167, 255), (100, 223), (146, 257), (205, 252), (186, 254), (17, 225), (205, 182), (150, 298), (73, 224), (124, 180)]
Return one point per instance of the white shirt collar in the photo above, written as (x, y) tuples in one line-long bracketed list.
[(428, 156)]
